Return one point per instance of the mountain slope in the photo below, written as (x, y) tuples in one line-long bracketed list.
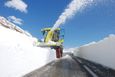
[(18, 56)]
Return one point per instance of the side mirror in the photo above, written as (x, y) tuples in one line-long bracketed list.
[(43, 32), (62, 33)]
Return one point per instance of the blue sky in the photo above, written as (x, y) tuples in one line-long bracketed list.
[(91, 24)]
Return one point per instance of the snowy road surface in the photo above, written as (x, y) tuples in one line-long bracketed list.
[(65, 67)]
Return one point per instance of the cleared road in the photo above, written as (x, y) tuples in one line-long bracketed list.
[(65, 67)]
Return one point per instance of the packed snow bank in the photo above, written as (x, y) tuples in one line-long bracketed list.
[(102, 52), (18, 56), (69, 50)]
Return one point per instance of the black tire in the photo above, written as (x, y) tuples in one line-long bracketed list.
[(59, 52)]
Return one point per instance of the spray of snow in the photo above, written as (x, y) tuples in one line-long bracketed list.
[(74, 7)]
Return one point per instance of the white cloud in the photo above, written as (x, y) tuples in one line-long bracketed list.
[(15, 20), (17, 4)]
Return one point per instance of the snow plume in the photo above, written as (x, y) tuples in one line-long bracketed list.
[(72, 8)]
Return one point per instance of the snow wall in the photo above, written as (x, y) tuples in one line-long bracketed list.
[(18, 56), (102, 52)]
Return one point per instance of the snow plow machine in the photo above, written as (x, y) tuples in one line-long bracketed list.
[(53, 39)]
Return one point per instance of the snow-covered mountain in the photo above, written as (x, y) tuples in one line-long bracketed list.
[(102, 52), (18, 56), (4, 22)]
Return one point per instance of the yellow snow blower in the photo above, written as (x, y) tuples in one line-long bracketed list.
[(53, 39)]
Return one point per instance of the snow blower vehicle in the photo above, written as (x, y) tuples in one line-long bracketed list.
[(53, 39)]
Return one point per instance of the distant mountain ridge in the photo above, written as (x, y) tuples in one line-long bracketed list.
[(4, 22)]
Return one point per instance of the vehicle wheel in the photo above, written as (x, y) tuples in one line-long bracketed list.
[(59, 52)]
